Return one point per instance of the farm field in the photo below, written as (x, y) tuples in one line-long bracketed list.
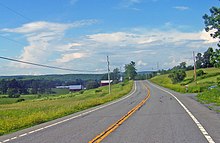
[(16, 116)]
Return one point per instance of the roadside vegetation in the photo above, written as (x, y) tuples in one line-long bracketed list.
[(181, 78), (16, 116), (187, 84)]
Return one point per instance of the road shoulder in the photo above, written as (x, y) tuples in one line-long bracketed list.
[(208, 118)]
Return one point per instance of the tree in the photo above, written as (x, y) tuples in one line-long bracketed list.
[(130, 71), (183, 65), (199, 60), (92, 84), (206, 61), (3, 86), (212, 22), (177, 76), (215, 58), (115, 75)]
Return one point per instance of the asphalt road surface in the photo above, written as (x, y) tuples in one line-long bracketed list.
[(160, 120)]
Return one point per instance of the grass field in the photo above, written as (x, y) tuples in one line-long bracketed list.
[(202, 83), (21, 115), (57, 92), (210, 97)]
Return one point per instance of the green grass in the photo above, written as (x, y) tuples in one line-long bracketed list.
[(57, 92), (210, 96), (21, 115), (205, 96), (202, 83)]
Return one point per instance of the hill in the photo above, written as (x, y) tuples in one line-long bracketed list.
[(65, 77), (202, 83)]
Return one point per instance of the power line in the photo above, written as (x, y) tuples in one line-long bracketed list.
[(17, 13), (46, 66)]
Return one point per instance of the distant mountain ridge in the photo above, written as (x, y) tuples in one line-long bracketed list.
[(63, 77)]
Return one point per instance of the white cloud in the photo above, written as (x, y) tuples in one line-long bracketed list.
[(141, 63), (41, 26), (207, 38), (47, 45), (182, 8), (45, 38), (69, 57)]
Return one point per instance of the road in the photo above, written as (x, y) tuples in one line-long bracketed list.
[(160, 120)]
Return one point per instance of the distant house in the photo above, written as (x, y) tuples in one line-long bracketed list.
[(105, 82), (72, 87)]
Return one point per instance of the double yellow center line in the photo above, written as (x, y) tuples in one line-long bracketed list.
[(114, 126)]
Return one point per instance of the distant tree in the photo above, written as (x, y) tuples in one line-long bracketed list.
[(3, 86), (199, 60), (183, 65), (190, 67), (115, 75), (177, 76), (130, 71), (206, 61), (34, 87), (92, 84), (212, 22), (215, 58), (13, 93)]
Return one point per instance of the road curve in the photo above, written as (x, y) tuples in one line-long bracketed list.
[(160, 119)]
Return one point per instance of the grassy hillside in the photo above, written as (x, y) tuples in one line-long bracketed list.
[(210, 97), (202, 84), (21, 115)]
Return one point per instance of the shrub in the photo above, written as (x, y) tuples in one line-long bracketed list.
[(200, 73), (98, 90), (177, 76), (81, 91), (20, 100)]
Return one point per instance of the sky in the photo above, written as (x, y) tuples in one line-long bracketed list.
[(79, 34)]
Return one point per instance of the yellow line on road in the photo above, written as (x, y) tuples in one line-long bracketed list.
[(114, 126)]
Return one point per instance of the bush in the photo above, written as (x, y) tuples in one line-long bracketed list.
[(98, 90), (177, 76), (81, 91), (20, 100), (200, 73)]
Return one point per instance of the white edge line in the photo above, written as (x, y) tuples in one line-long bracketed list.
[(199, 125), (70, 118)]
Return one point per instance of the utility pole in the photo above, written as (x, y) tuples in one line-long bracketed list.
[(194, 60), (109, 84)]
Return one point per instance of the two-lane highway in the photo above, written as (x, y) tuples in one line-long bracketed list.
[(160, 119)]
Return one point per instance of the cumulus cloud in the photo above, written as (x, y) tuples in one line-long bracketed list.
[(69, 57), (141, 63), (47, 45), (45, 38), (207, 38)]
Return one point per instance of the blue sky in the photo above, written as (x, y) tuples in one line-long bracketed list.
[(78, 34)]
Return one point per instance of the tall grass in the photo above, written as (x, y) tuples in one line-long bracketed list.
[(21, 115)]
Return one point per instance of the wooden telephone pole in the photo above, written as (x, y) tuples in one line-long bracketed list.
[(109, 84), (194, 60)]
